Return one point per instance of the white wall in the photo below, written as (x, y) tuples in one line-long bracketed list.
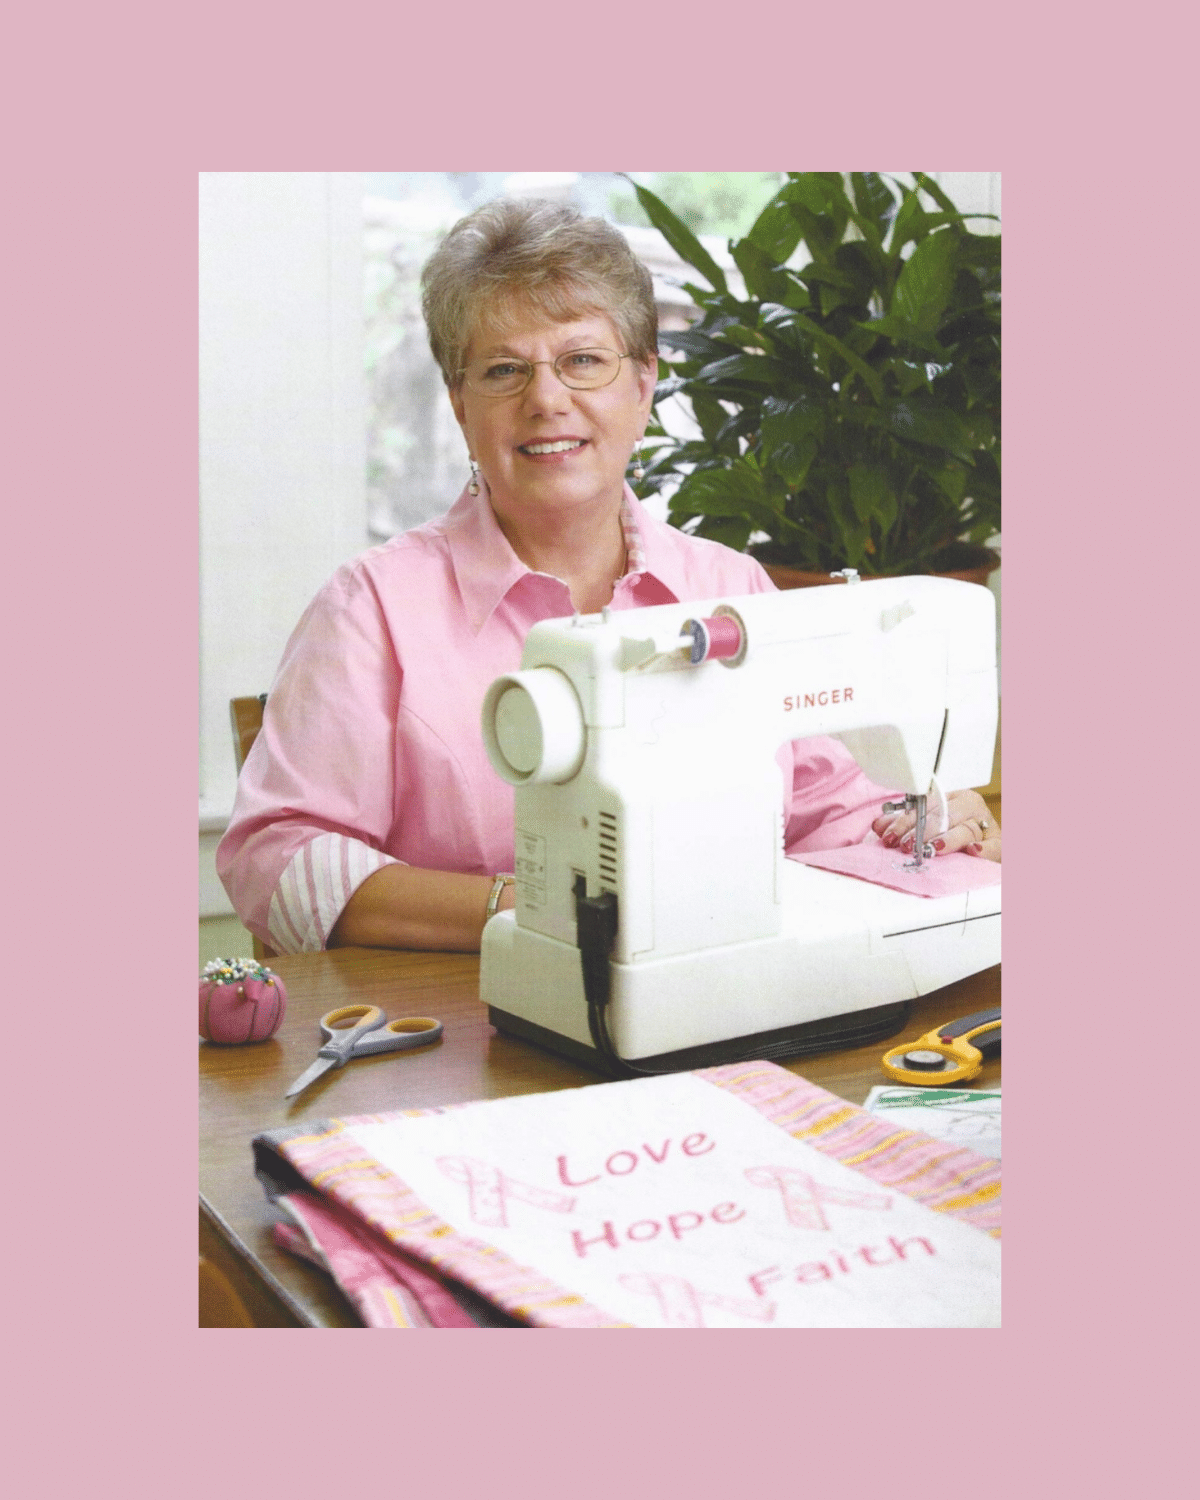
[(282, 446)]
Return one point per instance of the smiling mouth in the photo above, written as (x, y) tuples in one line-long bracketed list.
[(563, 445)]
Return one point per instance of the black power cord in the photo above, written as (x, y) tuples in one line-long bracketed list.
[(596, 931)]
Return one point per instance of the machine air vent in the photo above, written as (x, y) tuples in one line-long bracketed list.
[(608, 851)]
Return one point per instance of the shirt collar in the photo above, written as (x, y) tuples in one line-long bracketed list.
[(663, 552), (486, 567)]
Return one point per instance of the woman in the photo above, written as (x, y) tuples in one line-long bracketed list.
[(367, 812)]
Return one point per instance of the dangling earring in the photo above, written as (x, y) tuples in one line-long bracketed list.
[(473, 487), (639, 470)]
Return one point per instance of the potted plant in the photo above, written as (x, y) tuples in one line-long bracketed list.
[(849, 403)]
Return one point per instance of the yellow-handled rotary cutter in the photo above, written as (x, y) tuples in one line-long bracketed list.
[(946, 1054)]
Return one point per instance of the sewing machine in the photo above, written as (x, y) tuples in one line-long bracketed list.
[(657, 918)]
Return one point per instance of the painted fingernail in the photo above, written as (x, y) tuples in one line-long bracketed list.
[(939, 844), (975, 848), (889, 839)]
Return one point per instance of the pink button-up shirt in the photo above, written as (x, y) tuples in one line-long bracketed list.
[(371, 752)]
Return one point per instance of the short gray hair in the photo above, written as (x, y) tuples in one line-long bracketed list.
[(513, 255)]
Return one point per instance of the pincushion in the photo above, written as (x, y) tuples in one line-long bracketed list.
[(240, 1001)]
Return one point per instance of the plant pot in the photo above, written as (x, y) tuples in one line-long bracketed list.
[(784, 577)]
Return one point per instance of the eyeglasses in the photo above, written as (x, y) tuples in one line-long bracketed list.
[(580, 369)]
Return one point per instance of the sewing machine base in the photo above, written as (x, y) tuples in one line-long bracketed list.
[(860, 1028)]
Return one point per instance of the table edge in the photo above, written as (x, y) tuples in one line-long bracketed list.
[(247, 1258)]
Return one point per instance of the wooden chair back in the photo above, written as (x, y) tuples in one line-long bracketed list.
[(220, 1305), (245, 718)]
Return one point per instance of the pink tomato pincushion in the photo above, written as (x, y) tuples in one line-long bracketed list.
[(240, 1001)]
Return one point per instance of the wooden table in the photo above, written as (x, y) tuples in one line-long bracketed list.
[(241, 1094)]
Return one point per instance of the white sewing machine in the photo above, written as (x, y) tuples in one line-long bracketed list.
[(642, 745)]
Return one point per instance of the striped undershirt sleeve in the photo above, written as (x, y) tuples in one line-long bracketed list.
[(319, 880)]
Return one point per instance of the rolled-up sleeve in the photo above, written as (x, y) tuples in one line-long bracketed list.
[(315, 801)]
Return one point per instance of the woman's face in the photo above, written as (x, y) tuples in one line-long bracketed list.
[(507, 436)]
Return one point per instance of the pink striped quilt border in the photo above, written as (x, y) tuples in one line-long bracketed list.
[(949, 1179)]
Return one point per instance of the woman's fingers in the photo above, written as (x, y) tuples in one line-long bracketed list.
[(892, 827), (971, 829), (988, 849)]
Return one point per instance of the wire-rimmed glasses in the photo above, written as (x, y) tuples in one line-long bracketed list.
[(507, 375)]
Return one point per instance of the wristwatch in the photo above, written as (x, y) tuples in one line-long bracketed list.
[(497, 890)]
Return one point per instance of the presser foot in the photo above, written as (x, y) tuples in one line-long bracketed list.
[(859, 1028), (922, 852)]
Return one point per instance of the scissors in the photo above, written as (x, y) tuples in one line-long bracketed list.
[(366, 1036), (945, 1054)]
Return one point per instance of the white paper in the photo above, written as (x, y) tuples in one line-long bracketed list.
[(669, 1203), (965, 1117)]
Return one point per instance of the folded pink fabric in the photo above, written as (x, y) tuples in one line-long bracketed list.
[(386, 1289), (944, 875)]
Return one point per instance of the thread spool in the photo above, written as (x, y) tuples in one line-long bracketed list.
[(717, 638)]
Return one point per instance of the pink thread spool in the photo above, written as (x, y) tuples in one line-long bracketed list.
[(240, 1001), (716, 638)]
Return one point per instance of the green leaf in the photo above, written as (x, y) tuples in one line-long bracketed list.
[(669, 387), (923, 180), (797, 294), (864, 265), (931, 424), (745, 338), (870, 379), (776, 231), (740, 424), (680, 237), (908, 375), (924, 286), (981, 251), (709, 413), (909, 224), (762, 276), (743, 369), (902, 331), (852, 533), (872, 495), (825, 273), (695, 345), (809, 189), (791, 440), (736, 491), (792, 461), (951, 481), (913, 223), (875, 203)]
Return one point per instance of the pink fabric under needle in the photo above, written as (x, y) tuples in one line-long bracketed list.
[(944, 875)]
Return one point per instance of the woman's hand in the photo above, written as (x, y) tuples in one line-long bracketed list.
[(970, 827)]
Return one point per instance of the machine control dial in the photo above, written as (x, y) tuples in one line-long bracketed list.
[(533, 727)]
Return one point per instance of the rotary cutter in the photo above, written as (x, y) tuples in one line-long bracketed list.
[(948, 1054)]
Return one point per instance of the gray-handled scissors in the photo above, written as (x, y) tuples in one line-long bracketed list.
[(367, 1035)]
